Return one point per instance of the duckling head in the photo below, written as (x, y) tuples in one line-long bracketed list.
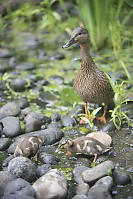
[(64, 143), (79, 35)]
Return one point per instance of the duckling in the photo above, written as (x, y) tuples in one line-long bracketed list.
[(90, 83), (29, 146), (84, 145)]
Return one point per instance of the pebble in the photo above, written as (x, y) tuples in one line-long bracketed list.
[(16, 196), (102, 137), (26, 66), (57, 79), (99, 192), (18, 85), (51, 185), (6, 177), (47, 97), (82, 189), (56, 55), (10, 109), (5, 53), (4, 143), (11, 126), (23, 103), (121, 178), (55, 117), (99, 171), (7, 160), (109, 127), (81, 197), (77, 171), (19, 186), (22, 167), (55, 125), (48, 158), (43, 169), (68, 121)]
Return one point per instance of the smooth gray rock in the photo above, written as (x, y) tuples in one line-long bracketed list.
[(22, 167), (82, 189), (121, 178), (77, 171), (51, 185), (23, 103), (99, 192), (7, 160), (57, 79), (106, 181), (16, 196), (43, 169), (4, 143), (48, 158), (5, 53), (5, 177), (26, 66), (10, 109), (18, 85), (11, 126), (55, 117), (80, 197), (68, 121), (99, 171), (19, 186)]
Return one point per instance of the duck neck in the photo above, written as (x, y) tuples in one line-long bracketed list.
[(86, 57)]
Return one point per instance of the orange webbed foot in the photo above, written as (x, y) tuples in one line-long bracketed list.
[(102, 119), (68, 153)]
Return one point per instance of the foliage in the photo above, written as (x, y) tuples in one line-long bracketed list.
[(90, 117), (118, 115)]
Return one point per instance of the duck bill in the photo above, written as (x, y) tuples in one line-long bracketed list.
[(57, 150), (69, 43)]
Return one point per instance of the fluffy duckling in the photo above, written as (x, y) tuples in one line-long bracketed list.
[(84, 145), (29, 146)]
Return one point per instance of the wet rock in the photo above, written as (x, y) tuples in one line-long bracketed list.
[(82, 189), (101, 170), (1, 127), (5, 53), (22, 167), (43, 169), (68, 121), (19, 186), (56, 55), (106, 181), (10, 109), (55, 125), (5, 177), (18, 85), (7, 160), (55, 117), (78, 109), (26, 111), (121, 178), (16, 196), (28, 41), (4, 143), (26, 66), (4, 67), (12, 61), (3, 86), (23, 103), (47, 97), (77, 171), (11, 126), (101, 137), (57, 79), (108, 127), (42, 54), (33, 121), (44, 82), (99, 192), (81, 197), (48, 158), (51, 185)]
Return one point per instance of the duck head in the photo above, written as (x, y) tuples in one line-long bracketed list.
[(79, 35), (65, 143)]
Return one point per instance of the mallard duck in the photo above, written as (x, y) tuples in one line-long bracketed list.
[(83, 145), (29, 146), (90, 83)]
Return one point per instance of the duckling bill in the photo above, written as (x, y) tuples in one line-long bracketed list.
[(29, 146), (90, 83), (83, 145)]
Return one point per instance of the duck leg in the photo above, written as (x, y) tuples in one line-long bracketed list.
[(95, 158), (102, 118)]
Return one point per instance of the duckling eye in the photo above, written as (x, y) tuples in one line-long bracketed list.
[(80, 33)]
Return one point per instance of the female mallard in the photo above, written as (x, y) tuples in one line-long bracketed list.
[(90, 83), (84, 145), (29, 146)]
